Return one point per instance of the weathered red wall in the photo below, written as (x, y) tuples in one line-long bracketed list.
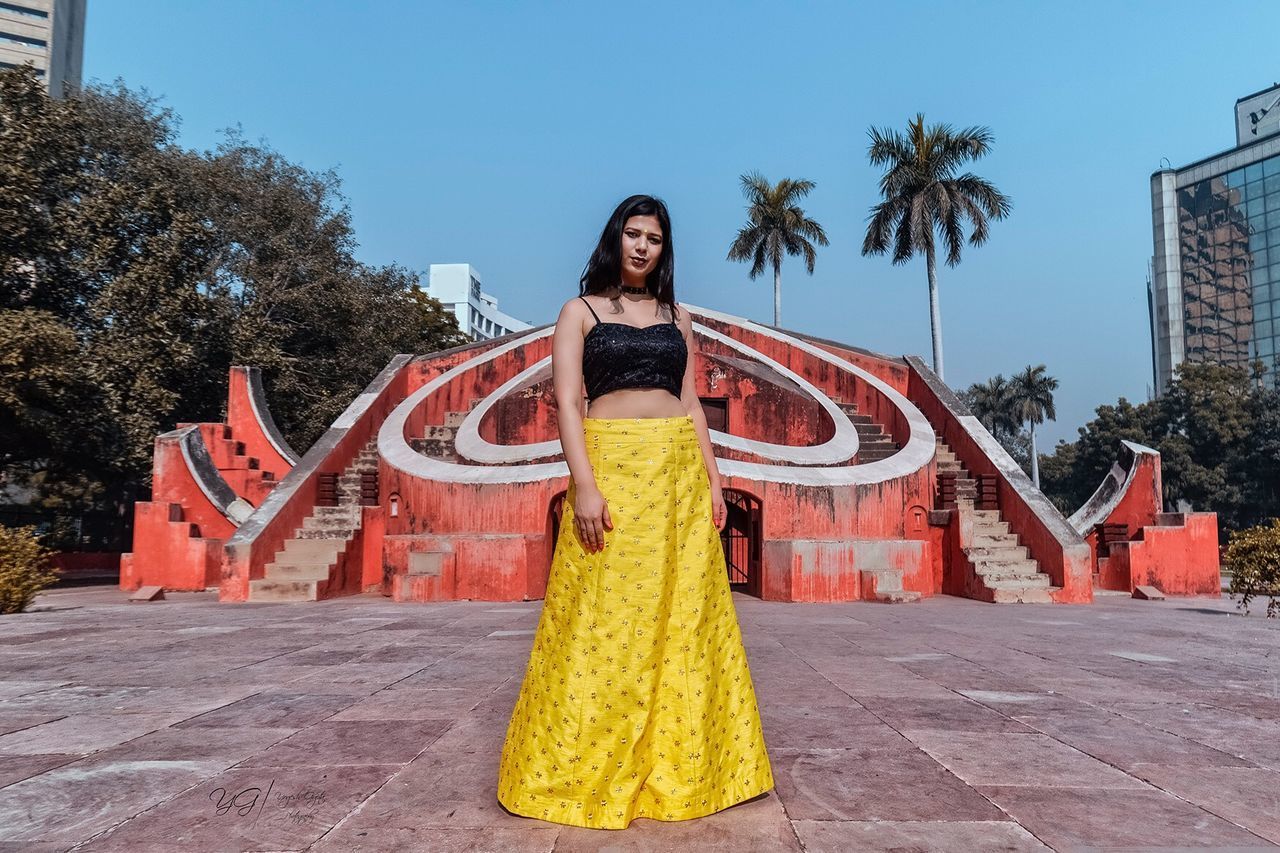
[(247, 428), (1178, 556)]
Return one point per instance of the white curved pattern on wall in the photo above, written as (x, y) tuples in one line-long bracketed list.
[(394, 447), (841, 447)]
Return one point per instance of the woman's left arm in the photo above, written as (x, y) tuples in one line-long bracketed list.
[(689, 396)]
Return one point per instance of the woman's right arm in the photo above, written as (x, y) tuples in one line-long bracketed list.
[(591, 515)]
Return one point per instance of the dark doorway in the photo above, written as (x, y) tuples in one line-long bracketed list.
[(742, 539), (716, 411)]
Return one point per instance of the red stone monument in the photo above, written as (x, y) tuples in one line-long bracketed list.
[(849, 476)]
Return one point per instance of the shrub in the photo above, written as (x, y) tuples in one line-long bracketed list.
[(1253, 556), (24, 568)]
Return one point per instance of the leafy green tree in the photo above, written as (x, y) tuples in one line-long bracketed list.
[(1218, 433), (1072, 474), (776, 226), (134, 272), (992, 402), (1033, 402), (923, 197)]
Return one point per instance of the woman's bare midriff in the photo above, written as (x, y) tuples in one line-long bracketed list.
[(637, 403)]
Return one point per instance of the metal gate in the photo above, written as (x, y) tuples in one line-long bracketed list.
[(741, 538)]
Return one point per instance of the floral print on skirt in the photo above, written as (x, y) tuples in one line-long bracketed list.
[(637, 700)]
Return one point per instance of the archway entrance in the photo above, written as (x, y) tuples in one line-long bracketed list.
[(742, 539)]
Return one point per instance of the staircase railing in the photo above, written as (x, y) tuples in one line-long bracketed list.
[(1061, 552), (265, 531)]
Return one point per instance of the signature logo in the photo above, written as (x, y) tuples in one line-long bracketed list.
[(300, 807)]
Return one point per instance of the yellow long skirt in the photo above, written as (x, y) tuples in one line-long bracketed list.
[(637, 700)]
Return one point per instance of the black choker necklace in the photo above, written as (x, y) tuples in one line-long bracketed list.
[(635, 290)]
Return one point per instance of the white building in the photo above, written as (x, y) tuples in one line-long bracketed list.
[(46, 34), (458, 287)]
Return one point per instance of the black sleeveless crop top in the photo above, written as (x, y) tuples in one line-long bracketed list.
[(619, 355)]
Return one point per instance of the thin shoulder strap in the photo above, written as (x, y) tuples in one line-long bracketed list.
[(589, 308)]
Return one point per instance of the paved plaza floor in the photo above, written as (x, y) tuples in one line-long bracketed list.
[(360, 724)]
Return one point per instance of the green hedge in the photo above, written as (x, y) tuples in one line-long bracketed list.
[(24, 568), (1253, 558)]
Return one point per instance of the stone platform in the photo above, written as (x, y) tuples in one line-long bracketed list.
[(358, 724)]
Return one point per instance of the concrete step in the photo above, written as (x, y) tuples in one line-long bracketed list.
[(356, 482), (989, 527), (993, 540), (888, 586), (897, 596), (303, 548), (1039, 581), (336, 512), (1009, 561), (987, 514), (1005, 554), (993, 579), (286, 572), (328, 531), (454, 419), (435, 447), (270, 590), (441, 432), (1022, 596)]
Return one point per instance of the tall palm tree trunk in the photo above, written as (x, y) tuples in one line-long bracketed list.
[(935, 313), (1035, 458), (777, 294)]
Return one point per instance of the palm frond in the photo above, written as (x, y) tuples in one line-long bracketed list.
[(777, 225)]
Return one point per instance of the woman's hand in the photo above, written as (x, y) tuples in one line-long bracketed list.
[(591, 518), (719, 513)]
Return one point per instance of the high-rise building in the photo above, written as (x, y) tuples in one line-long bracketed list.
[(458, 287), (47, 34), (1215, 276)]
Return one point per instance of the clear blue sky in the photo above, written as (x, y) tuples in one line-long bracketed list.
[(502, 135)]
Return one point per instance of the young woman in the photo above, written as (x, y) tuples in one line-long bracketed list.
[(637, 700)]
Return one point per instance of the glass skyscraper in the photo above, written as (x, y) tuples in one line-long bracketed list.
[(1215, 283)]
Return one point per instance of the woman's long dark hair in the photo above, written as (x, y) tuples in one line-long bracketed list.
[(604, 270)]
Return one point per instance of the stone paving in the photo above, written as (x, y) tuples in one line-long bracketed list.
[(359, 724)]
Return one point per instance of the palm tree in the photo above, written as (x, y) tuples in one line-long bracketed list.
[(1032, 403), (993, 404), (776, 225), (923, 196)]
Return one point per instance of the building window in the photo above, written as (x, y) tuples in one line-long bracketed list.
[(23, 10), (25, 41)]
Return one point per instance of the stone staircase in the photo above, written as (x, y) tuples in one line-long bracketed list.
[(873, 443), (949, 463), (437, 441), (242, 472), (1003, 567), (304, 569)]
